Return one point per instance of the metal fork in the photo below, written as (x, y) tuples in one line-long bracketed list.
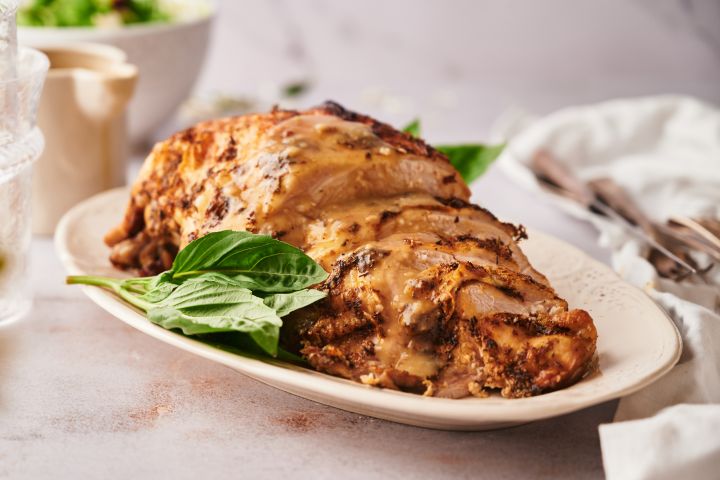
[(608, 198)]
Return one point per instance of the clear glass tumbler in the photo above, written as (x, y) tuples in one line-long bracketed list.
[(20, 145)]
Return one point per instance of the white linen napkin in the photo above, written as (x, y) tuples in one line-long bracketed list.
[(665, 152)]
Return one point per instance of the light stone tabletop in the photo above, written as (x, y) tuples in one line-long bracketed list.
[(82, 395), (85, 396)]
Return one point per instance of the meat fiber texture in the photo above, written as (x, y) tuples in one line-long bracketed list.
[(427, 292)]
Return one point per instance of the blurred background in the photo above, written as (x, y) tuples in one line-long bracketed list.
[(464, 67), (460, 65)]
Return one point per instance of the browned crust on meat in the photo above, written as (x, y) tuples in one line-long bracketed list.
[(162, 195), (516, 231), (386, 132), (414, 265)]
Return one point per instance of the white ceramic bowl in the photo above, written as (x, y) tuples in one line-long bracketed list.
[(169, 57)]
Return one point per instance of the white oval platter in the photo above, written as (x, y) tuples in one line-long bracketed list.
[(637, 341)]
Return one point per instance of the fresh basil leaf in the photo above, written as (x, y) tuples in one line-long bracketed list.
[(255, 319), (214, 303), (210, 288), (413, 128), (164, 277), (207, 289), (242, 344), (285, 303), (258, 261), (471, 160), (159, 293)]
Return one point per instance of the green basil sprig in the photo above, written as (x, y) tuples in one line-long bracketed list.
[(259, 262), (470, 160), (413, 128), (224, 282)]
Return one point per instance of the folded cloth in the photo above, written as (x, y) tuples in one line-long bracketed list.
[(665, 152), (679, 442)]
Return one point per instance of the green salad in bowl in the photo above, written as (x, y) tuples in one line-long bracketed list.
[(99, 13), (166, 39)]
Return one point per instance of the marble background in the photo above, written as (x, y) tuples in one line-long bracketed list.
[(462, 65), (459, 64), (84, 396)]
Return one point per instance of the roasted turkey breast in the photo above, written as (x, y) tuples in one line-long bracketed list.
[(427, 292)]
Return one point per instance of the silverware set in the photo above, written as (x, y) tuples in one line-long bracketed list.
[(672, 244)]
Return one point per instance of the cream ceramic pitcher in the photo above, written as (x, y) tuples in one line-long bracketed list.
[(82, 115)]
